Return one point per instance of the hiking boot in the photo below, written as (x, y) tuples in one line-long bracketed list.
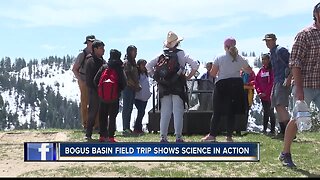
[(112, 140), (127, 132), (229, 139), (179, 140), (271, 133), (164, 140), (278, 136), (138, 132), (209, 138), (103, 139), (286, 160)]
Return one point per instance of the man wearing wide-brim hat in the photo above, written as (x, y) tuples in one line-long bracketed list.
[(172, 40)]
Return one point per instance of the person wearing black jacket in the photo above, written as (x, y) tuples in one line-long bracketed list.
[(108, 127), (94, 62)]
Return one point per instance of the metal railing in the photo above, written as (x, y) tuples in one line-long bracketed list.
[(193, 88)]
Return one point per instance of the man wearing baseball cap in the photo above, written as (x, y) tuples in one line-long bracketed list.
[(279, 57), (89, 38), (80, 73), (270, 37)]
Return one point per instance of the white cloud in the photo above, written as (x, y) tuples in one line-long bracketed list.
[(76, 13), (52, 47), (156, 31), (197, 21)]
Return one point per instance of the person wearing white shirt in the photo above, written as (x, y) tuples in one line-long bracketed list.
[(173, 96), (228, 91)]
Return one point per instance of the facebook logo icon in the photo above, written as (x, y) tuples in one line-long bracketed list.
[(40, 152)]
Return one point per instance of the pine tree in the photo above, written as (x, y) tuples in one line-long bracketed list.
[(33, 123), (7, 64), (16, 122), (41, 93), (20, 63), (3, 114), (43, 111), (30, 70)]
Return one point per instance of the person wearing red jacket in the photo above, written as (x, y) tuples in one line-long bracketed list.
[(263, 85)]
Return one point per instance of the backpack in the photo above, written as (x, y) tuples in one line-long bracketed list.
[(108, 87), (82, 63), (167, 65), (287, 70), (245, 77)]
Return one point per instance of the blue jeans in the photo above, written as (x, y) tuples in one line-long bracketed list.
[(141, 107), (128, 101)]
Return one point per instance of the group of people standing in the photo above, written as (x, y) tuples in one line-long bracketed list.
[(281, 71), (133, 86), (271, 83), (236, 82)]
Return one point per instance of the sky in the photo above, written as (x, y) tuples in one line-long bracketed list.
[(35, 29)]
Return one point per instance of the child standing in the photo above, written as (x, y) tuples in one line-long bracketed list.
[(263, 85), (142, 96), (248, 85), (109, 111)]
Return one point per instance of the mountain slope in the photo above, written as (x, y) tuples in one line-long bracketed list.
[(61, 80)]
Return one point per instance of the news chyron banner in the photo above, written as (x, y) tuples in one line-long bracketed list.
[(141, 151)]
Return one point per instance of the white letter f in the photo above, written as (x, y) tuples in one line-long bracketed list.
[(43, 150)]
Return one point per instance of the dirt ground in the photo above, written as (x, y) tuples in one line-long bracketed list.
[(12, 154)]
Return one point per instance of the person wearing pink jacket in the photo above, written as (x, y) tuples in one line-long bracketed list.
[(263, 85)]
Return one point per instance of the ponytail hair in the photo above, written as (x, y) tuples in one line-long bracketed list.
[(230, 46), (233, 52)]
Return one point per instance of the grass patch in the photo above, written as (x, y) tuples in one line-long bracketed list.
[(305, 153)]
